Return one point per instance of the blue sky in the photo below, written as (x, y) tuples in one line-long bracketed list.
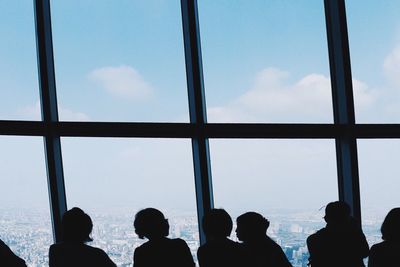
[(266, 62), (139, 43)]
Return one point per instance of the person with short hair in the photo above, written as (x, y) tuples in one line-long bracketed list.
[(252, 230), (384, 254), (219, 250), (159, 250), (341, 242), (72, 250)]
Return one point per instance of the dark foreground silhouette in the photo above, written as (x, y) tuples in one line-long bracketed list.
[(252, 230), (73, 251), (159, 250), (385, 254), (8, 258), (219, 250), (341, 242)]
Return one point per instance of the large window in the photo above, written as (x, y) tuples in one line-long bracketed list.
[(288, 181), (129, 175), (128, 56), (124, 122), (19, 94), (254, 73), (24, 213), (376, 84), (379, 183)]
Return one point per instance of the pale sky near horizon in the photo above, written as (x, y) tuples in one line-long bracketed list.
[(265, 62)]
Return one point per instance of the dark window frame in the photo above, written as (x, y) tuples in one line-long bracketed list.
[(344, 130)]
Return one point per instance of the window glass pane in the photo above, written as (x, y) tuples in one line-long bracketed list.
[(266, 61), (19, 94), (119, 61), (24, 213), (374, 35), (112, 179), (379, 183), (288, 181)]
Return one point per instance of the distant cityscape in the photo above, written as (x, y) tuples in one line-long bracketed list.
[(29, 234)]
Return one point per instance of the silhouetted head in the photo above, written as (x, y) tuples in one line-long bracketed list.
[(337, 212), (217, 223), (251, 226), (151, 223), (76, 226), (391, 226)]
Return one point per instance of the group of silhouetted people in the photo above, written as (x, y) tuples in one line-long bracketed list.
[(341, 243)]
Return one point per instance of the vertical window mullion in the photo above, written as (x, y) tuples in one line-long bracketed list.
[(197, 110), (52, 144), (343, 103)]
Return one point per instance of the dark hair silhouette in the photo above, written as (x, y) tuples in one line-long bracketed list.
[(341, 242), (72, 251), (252, 230), (76, 226), (219, 250), (151, 223), (385, 253), (337, 212), (251, 225), (217, 223), (391, 226), (159, 250)]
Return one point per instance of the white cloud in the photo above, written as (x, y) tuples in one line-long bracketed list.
[(70, 115), (33, 112), (364, 97), (123, 81), (272, 98), (391, 66)]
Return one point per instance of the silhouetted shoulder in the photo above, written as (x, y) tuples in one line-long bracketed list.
[(65, 254), (384, 254), (163, 252), (179, 243), (8, 258), (223, 252), (314, 240), (278, 256), (167, 243), (337, 247)]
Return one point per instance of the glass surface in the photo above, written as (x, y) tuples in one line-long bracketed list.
[(120, 61), (111, 179), (287, 181), (265, 61), (24, 213), (374, 36), (19, 93), (379, 183)]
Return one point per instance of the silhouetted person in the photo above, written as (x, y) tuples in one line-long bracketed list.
[(385, 254), (72, 251), (8, 258), (252, 230), (159, 250), (219, 250), (341, 242)]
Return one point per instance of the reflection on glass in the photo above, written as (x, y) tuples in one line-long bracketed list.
[(24, 213), (266, 61), (119, 61), (288, 181), (379, 183), (19, 95), (374, 36), (112, 179)]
